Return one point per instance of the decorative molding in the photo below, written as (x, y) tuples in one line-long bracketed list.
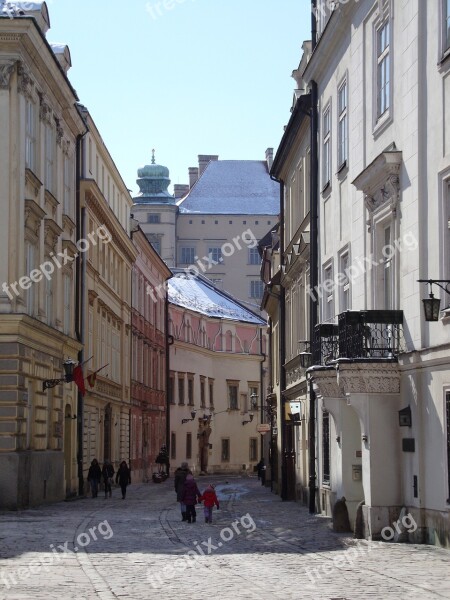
[(327, 384), (59, 132), (51, 204), (52, 231), (25, 84), (369, 378), (32, 180), (45, 112), (33, 216), (6, 70)]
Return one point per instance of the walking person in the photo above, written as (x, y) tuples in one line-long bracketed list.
[(123, 478), (209, 498), (261, 466), (190, 496), (180, 477), (108, 474), (94, 476)]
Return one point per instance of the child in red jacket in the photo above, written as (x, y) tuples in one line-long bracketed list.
[(209, 499)]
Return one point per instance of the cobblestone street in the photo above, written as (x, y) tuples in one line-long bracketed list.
[(256, 548)]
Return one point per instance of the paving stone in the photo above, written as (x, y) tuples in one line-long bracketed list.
[(258, 547)]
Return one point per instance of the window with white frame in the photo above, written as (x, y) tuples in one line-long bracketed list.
[(343, 125), (344, 282), (50, 152), (326, 146), (30, 136), (256, 289), (387, 266), (446, 24), (253, 256), (68, 176), (215, 254), (187, 255), (49, 291), (30, 263), (383, 68), (328, 295)]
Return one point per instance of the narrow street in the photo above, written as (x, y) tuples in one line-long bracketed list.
[(257, 547)]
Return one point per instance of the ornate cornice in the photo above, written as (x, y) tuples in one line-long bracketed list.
[(24, 82), (59, 131), (52, 231), (45, 112), (51, 203), (6, 70), (326, 382), (33, 216), (369, 378), (33, 181)]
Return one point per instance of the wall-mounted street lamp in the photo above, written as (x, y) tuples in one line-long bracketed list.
[(68, 366), (250, 418), (431, 305), (305, 355), (193, 413)]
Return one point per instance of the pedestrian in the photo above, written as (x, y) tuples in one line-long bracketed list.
[(261, 466), (123, 478), (163, 460), (108, 474), (180, 478), (190, 496), (94, 476), (209, 499)]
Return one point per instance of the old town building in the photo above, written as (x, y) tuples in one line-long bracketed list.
[(148, 356), (40, 137), (216, 377)]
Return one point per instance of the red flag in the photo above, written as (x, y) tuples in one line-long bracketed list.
[(79, 379), (93, 376)]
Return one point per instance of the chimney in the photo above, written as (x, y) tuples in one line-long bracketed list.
[(180, 190), (193, 175), (203, 160), (269, 158)]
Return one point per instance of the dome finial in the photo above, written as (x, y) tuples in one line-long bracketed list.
[(153, 156)]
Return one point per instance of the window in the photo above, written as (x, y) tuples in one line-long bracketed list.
[(253, 391), (49, 300), (190, 391), (30, 260), (155, 241), (328, 297), (253, 454), (30, 136), (218, 283), (343, 125), (171, 390), (225, 450), (253, 256), (211, 394), (326, 142), (326, 447), (181, 390), (256, 289), (153, 218), (50, 158), (215, 254), (383, 69), (68, 174), (187, 256), (388, 270), (189, 445), (67, 282), (202, 393), (173, 446), (344, 283), (446, 25), (233, 396)]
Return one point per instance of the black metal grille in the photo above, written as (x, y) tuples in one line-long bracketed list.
[(325, 343)]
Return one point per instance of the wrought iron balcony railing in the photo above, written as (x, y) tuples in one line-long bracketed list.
[(358, 335)]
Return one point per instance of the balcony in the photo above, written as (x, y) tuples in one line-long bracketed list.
[(369, 334)]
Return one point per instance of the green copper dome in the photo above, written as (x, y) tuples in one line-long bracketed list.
[(153, 181)]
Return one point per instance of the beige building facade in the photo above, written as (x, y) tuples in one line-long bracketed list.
[(41, 128)]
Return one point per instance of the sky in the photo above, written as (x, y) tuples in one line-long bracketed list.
[(185, 77)]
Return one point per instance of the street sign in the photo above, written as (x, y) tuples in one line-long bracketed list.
[(263, 428)]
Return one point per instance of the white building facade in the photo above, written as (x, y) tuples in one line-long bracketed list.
[(382, 373)]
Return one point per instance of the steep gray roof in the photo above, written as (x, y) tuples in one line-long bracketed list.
[(237, 187), (198, 294)]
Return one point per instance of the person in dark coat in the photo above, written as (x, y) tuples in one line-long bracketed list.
[(190, 496), (108, 474), (163, 459), (180, 478), (261, 466), (94, 476), (123, 478)]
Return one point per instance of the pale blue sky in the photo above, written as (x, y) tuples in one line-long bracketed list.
[(201, 77)]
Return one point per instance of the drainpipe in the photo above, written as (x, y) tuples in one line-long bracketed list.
[(80, 282), (314, 271), (167, 346)]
